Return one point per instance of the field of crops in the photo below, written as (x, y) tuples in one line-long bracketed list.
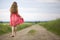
[(53, 26), (6, 28)]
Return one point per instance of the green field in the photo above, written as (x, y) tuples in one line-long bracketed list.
[(53, 26), (6, 28)]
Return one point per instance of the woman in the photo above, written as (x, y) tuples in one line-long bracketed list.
[(15, 18)]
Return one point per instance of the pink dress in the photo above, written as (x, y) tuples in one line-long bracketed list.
[(15, 19)]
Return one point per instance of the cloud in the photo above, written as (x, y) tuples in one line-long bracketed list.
[(48, 1), (28, 9), (39, 16), (5, 15)]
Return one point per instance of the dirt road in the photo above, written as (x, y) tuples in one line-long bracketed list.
[(40, 34)]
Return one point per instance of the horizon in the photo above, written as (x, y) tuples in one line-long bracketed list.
[(32, 21)]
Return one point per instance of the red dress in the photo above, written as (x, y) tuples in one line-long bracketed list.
[(15, 19)]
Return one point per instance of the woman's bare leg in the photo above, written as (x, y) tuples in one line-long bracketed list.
[(14, 29)]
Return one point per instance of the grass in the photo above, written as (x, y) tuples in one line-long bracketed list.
[(5, 27), (32, 32), (53, 26), (25, 25)]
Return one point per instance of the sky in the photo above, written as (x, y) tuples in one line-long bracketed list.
[(31, 10)]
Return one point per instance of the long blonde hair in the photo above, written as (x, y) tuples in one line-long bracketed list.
[(14, 8)]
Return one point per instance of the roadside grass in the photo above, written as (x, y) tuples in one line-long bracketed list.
[(53, 26), (6, 28), (32, 32), (25, 25)]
